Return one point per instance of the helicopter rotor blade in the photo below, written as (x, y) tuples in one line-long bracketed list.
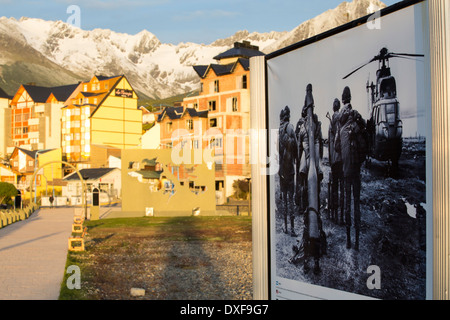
[(403, 57), (407, 54), (360, 67)]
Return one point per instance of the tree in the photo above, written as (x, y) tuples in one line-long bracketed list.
[(7, 190), (241, 189)]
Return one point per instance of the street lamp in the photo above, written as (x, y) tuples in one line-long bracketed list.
[(85, 178)]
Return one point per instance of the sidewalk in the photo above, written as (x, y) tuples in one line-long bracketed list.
[(33, 255)]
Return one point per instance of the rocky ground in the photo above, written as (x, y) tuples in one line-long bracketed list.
[(393, 233)]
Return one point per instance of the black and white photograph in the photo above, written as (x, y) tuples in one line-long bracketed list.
[(350, 205)]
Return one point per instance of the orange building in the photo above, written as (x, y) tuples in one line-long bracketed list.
[(182, 125), (36, 116), (225, 94)]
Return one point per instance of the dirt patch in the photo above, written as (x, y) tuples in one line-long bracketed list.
[(171, 258)]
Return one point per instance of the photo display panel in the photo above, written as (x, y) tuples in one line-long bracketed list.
[(350, 188)]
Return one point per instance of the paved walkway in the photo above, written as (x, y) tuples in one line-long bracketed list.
[(33, 255)]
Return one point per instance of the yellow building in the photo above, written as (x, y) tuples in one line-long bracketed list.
[(23, 163), (102, 111)]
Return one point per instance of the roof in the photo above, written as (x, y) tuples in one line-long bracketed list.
[(241, 50), (194, 113), (41, 94), (3, 94), (63, 93), (37, 93), (175, 113), (90, 174), (201, 70), (30, 153), (172, 112), (222, 69)]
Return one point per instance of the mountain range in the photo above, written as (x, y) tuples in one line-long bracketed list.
[(51, 53)]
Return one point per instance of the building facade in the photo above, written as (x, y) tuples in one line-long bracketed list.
[(36, 116), (103, 112), (225, 94), (5, 123)]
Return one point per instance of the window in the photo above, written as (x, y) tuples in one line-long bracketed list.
[(169, 126), (234, 104), (190, 124), (219, 185), (201, 87), (196, 106), (213, 122), (212, 105), (244, 81), (18, 118), (195, 144), (216, 85), (215, 143)]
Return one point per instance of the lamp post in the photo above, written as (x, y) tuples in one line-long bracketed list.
[(85, 178)]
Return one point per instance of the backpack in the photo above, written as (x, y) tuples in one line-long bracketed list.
[(287, 148), (360, 137)]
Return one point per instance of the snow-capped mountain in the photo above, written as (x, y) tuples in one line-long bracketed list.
[(55, 53)]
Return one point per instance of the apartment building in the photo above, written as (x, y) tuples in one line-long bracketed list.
[(100, 112), (36, 116), (224, 93)]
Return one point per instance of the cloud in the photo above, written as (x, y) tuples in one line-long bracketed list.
[(206, 14)]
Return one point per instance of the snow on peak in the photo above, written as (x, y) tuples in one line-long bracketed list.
[(153, 67)]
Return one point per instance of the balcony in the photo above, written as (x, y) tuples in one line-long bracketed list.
[(33, 121), (39, 108)]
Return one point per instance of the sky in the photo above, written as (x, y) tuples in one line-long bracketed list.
[(175, 21)]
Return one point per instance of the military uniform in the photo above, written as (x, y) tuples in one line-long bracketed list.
[(337, 182), (287, 159), (351, 167)]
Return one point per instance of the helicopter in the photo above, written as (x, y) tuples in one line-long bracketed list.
[(384, 127)]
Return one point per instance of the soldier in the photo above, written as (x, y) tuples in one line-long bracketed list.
[(302, 135), (288, 158), (351, 165), (337, 183)]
